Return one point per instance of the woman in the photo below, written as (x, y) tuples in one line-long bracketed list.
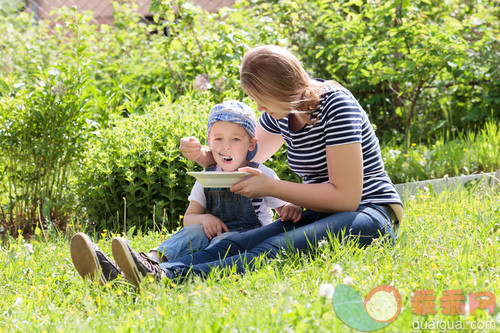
[(331, 145)]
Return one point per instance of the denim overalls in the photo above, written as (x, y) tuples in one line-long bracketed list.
[(235, 210)]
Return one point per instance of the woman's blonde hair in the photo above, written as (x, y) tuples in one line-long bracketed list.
[(271, 74)]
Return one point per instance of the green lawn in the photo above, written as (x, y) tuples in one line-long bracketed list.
[(448, 241)]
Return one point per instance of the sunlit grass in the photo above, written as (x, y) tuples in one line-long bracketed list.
[(448, 241), (466, 154)]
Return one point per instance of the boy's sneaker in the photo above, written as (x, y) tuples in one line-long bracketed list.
[(90, 261), (134, 265)]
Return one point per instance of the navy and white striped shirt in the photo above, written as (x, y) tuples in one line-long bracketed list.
[(339, 120)]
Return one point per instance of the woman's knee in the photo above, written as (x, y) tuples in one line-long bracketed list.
[(371, 224)]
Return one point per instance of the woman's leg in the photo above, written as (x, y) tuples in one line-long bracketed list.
[(365, 225), (243, 241), (217, 239), (231, 245)]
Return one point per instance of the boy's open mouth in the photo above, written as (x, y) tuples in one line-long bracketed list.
[(226, 158)]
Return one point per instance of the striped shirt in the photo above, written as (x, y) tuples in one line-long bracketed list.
[(339, 120)]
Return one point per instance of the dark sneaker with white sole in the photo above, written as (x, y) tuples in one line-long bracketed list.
[(135, 265), (90, 261)]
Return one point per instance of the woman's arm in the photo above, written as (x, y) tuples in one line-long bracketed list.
[(342, 193)]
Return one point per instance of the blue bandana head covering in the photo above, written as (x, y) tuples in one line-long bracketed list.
[(238, 113)]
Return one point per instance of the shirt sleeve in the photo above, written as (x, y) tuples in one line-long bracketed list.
[(343, 119), (198, 194), (269, 124)]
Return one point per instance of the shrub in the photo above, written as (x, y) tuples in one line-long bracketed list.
[(136, 162), (45, 117), (60, 82)]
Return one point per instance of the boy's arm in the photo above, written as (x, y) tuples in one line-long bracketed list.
[(192, 149), (195, 214)]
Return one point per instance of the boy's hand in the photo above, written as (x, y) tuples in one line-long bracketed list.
[(290, 212), (190, 148), (213, 226)]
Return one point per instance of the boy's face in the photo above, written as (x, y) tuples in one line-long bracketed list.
[(230, 144)]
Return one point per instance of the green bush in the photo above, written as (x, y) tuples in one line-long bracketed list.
[(45, 118), (417, 67), (136, 162)]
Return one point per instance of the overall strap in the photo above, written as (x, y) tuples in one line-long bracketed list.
[(253, 164), (211, 167)]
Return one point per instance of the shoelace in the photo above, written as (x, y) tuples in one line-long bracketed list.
[(150, 264)]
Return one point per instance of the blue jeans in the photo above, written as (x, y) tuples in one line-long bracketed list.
[(187, 240), (366, 224)]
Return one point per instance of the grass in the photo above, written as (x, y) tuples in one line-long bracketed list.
[(467, 153), (447, 241)]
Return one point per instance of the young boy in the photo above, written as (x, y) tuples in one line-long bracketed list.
[(213, 213)]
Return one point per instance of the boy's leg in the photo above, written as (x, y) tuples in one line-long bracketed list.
[(186, 241), (135, 265), (233, 245), (90, 261)]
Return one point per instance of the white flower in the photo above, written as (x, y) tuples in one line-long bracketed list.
[(18, 301), (326, 290), (348, 280), (28, 248), (322, 243), (337, 270), (394, 153)]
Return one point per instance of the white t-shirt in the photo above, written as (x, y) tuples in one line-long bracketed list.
[(262, 205)]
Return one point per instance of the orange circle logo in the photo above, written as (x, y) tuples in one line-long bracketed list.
[(383, 303)]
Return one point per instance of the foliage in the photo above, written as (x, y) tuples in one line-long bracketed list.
[(416, 66), (133, 172), (10, 7), (45, 117), (136, 162), (448, 241), (468, 153)]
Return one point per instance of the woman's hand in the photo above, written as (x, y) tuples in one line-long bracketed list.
[(290, 212), (191, 148), (255, 186)]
